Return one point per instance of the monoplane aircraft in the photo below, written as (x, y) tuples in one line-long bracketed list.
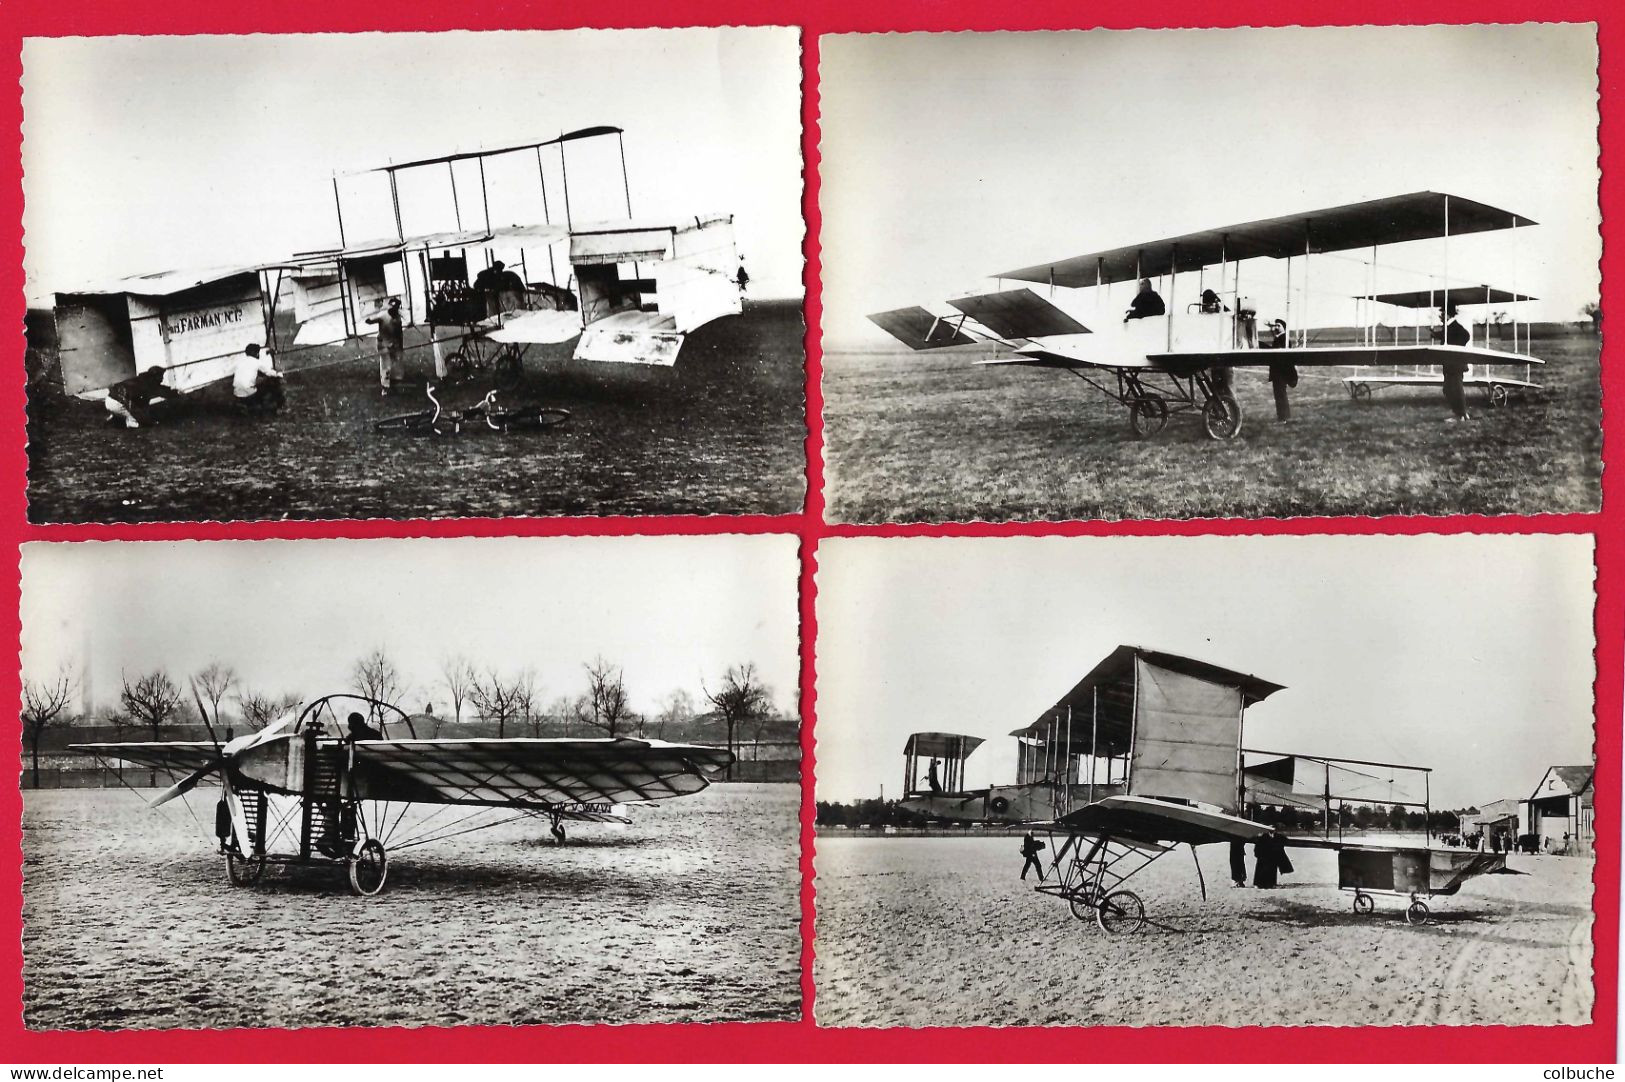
[(1145, 754), (313, 787), (1178, 360)]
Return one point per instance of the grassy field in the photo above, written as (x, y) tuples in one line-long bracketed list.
[(726, 435), (934, 438)]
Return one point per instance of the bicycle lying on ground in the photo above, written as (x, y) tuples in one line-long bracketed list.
[(488, 412)]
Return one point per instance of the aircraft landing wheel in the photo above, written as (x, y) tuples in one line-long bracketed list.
[(1147, 416), (1222, 417), (1416, 912), (458, 366), (1360, 392), (1364, 904), (507, 369), (1499, 394), (1120, 913), (1083, 903), (244, 871), (368, 869)]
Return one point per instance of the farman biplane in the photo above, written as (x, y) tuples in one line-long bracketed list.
[(1145, 754), (1174, 354)]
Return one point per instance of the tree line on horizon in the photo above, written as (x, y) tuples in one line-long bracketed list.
[(513, 701)]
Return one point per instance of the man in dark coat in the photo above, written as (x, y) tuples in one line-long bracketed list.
[(1030, 848), (131, 400), (1238, 863), (1282, 375), (1146, 303), (1269, 856), (1456, 332)]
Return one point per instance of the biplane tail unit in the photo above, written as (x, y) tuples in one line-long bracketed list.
[(1145, 754), (1174, 350), (622, 294), (332, 782)]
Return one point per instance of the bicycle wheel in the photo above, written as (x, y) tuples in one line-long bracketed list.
[(530, 419), (506, 369), (411, 424)]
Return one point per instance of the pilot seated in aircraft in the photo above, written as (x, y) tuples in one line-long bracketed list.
[(360, 730), (1146, 303), (932, 779), (1211, 302), (131, 400)]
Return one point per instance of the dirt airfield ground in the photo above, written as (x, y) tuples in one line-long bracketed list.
[(725, 434), (941, 932), (692, 914), (931, 437)]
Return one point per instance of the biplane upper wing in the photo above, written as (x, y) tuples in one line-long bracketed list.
[(1392, 220), (1338, 356), (532, 772), (1148, 820)]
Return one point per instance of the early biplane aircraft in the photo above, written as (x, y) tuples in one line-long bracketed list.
[(627, 293), (1179, 359), (315, 788), (1145, 754), (1496, 385)]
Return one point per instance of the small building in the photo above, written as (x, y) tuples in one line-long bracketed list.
[(1497, 817), (1560, 810)]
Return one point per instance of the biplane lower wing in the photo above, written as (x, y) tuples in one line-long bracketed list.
[(538, 773), (1146, 819), (1338, 356)]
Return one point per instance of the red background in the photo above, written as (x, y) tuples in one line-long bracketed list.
[(803, 1041)]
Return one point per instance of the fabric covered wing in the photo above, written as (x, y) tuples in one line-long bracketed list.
[(1331, 356), (525, 773), (176, 755), (1139, 818), (1187, 731)]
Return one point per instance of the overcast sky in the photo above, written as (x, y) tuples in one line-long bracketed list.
[(1472, 655), (292, 616), (950, 157), (144, 154)]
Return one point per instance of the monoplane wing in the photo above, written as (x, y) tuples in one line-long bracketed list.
[(1148, 820), (532, 773), (174, 755)]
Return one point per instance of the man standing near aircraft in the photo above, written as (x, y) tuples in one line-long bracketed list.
[(131, 399), (1147, 302), (391, 344), (1282, 374), (1457, 332), (1030, 848)]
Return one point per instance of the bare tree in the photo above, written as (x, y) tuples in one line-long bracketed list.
[(457, 673), (259, 709), (214, 681), (150, 700), (676, 709), (741, 696), (45, 706), (1593, 311), (496, 699), (527, 701), (376, 677), (606, 695)]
